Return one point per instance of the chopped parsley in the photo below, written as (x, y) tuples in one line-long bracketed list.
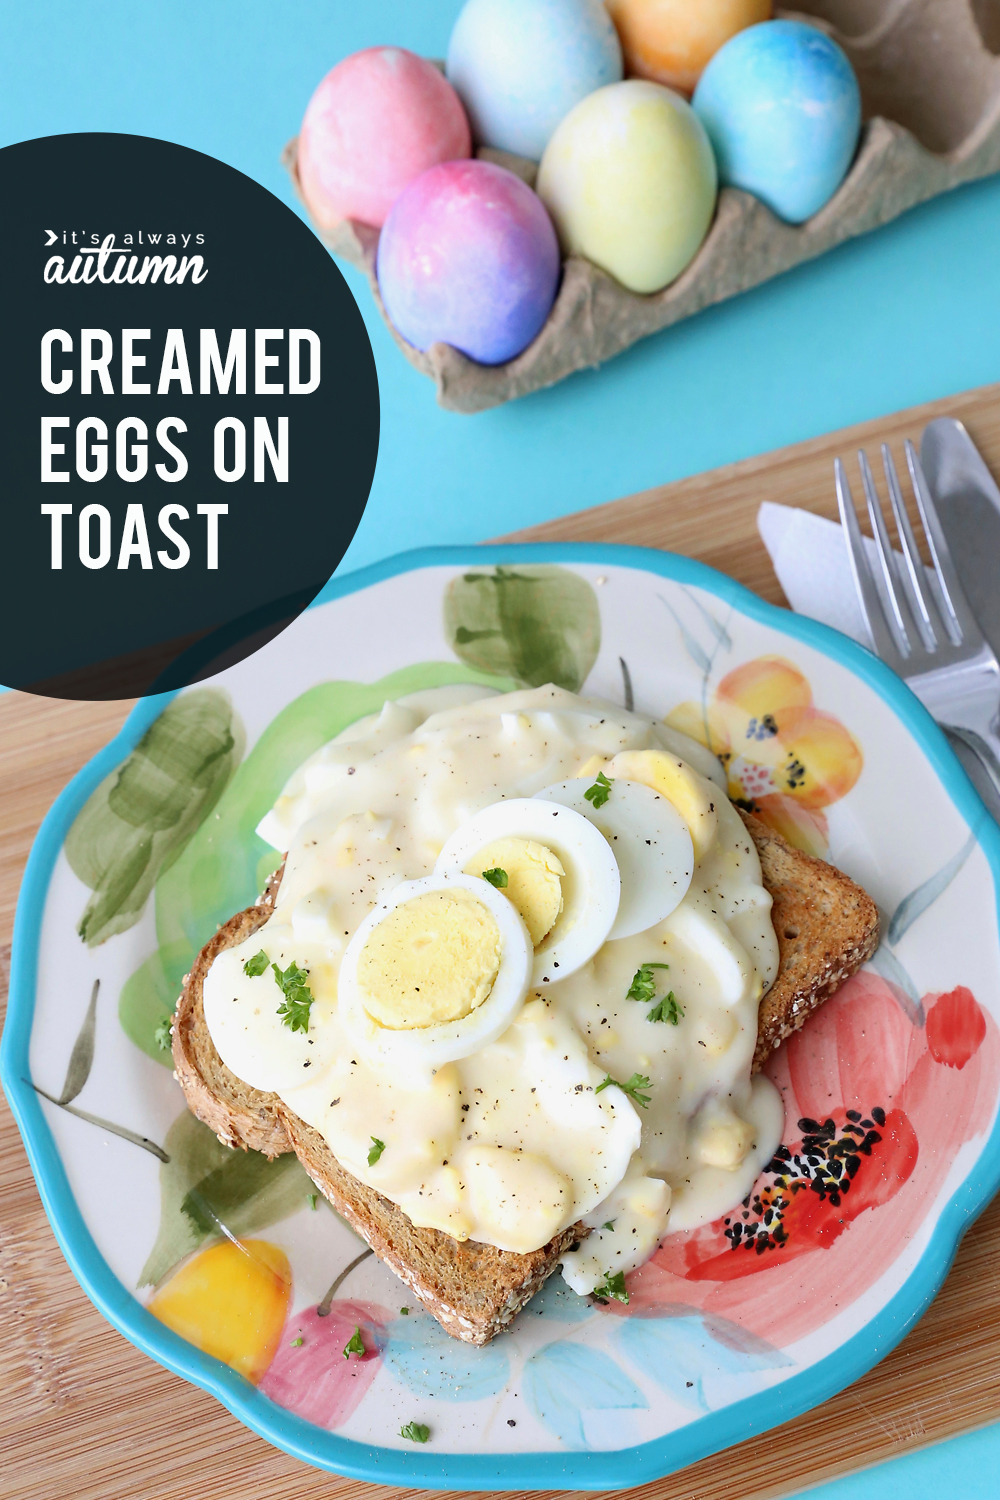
[(405, 1311), (294, 1009), (609, 1225), (297, 1343), (162, 1035), (637, 1082), (614, 1286), (496, 877), (667, 1009), (643, 986), (377, 1147), (354, 1344), (312, 1199), (416, 1432), (599, 793)]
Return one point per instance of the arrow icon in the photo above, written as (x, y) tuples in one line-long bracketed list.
[(52, 237)]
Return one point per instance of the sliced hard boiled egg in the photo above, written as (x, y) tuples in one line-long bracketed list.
[(547, 843), (244, 1016), (650, 841), (534, 880), (693, 796), (436, 971)]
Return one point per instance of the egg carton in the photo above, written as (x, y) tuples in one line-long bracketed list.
[(929, 73)]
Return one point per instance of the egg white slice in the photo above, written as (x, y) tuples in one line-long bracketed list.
[(429, 1047), (242, 1013), (591, 886), (650, 841)]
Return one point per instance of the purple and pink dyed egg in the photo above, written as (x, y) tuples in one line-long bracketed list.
[(378, 119), (468, 256)]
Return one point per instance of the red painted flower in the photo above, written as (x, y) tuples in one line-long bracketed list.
[(876, 1109), (956, 1028)]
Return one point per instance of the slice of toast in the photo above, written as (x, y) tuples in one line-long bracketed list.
[(826, 927)]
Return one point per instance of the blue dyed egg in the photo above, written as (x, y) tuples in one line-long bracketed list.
[(519, 66), (782, 109)]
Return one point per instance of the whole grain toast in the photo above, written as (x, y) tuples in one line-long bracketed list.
[(826, 927)]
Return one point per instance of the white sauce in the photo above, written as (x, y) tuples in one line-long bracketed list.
[(514, 1143)]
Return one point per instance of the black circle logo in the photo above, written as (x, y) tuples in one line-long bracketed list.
[(189, 411)]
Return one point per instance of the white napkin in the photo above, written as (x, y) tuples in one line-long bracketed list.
[(809, 555)]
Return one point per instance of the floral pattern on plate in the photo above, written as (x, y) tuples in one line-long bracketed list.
[(890, 1091)]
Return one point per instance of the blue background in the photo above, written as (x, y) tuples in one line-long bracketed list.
[(904, 315)]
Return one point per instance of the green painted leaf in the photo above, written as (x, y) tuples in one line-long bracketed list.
[(536, 624), (108, 1126), (717, 628), (692, 645), (148, 998), (138, 821), (81, 1059), (224, 866), (245, 1185), (205, 1184)]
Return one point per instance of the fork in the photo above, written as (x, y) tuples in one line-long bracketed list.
[(919, 621)]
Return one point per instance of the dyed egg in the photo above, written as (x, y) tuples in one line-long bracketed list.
[(629, 178), (468, 257), (670, 41), (782, 108), (378, 119), (521, 65)]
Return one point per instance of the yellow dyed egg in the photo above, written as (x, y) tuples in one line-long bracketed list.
[(230, 1301), (629, 179), (671, 41)]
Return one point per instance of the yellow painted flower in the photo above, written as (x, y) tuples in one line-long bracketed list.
[(231, 1301), (785, 759)]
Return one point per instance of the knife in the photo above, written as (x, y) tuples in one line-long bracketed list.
[(968, 503)]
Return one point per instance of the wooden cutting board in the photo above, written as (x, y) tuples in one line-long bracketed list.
[(83, 1414)]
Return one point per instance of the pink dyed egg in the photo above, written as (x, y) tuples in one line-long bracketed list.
[(378, 119)]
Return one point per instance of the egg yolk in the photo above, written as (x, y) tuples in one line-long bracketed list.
[(432, 960), (693, 796), (534, 881), (724, 1141)]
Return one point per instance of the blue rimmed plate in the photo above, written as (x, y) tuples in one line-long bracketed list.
[(890, 1147)]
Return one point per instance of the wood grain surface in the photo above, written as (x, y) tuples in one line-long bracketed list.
[(84, 1415)]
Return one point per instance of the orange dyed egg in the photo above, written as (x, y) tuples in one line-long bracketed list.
[(230, 1301), (671, 41)]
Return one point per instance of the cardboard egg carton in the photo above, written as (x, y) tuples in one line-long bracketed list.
[(930, 86)]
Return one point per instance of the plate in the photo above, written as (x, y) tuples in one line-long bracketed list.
[(891, 1139)]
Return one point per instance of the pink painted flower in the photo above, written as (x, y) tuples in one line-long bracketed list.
[(312, 1376)]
